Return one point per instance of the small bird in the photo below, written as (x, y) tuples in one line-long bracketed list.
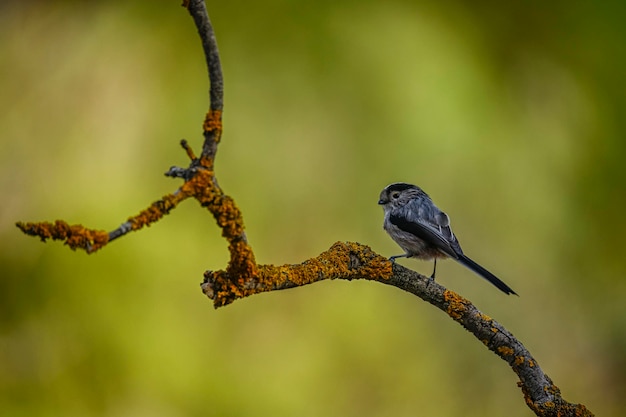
[(416, 224)]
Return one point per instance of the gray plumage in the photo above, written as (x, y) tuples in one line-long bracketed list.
[(423, 231)]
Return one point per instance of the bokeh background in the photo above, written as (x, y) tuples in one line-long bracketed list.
[(511, 115)]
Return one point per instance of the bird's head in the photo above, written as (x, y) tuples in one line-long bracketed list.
[(398, 194)]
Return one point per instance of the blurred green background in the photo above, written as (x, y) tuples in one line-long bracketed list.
[(511, 116)]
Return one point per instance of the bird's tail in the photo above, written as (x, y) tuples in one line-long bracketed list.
[(485, 274)]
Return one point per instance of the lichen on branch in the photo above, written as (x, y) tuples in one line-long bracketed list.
[(75, 236), (344, 260)]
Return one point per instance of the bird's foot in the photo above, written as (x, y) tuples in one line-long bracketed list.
[(393, 258)]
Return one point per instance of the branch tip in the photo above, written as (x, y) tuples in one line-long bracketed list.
[(177, 172), (75, 236), (185, 145), (207, 285)]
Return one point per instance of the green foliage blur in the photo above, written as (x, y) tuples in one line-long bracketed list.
[(510, 115)]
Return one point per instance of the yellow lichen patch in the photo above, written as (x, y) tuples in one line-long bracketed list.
[(325, 266), (228, 217), (270, 276), (493, 329), (505, 351), (75, 236), (201, 186), (206, 161), (224, 289), (213, 123), (531, 363), (243, 277), (483, 317), (380, 267), (553, 389), (242, 263), (298, 275), (350, 260), (156, 211), (556, 407), (457, 305), (527, 398), (223, 207), (519, 360), (370, 265)]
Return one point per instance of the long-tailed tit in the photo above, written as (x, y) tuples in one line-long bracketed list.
[(416, 224)]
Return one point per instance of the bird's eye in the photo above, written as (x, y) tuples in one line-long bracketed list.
[(395, 195)]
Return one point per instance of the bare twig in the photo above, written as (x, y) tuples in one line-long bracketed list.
[(213, 121), (243, 277)]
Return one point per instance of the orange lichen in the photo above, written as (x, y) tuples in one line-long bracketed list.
[(557, 407), (344, 260), (505, 351), (519, 360), (228, 217), (560, 408), (156, 211), (457, 305), (483, 317), (226, 213), (75, 236), (242, 263), (202, 186), (240, 276), (213, 124), (80, 237)]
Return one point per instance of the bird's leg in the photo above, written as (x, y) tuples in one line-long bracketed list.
[(432, 277), (393, 258)]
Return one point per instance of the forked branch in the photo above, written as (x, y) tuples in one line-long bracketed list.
[(243, 277)]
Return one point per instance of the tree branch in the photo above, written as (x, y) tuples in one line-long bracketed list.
[(243, 277), (355, 261)]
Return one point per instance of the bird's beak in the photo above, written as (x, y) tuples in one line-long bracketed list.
[(382, 201)]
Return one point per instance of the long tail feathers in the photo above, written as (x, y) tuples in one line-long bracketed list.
[(485, 274)]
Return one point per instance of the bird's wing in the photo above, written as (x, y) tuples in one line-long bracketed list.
[(428, 223), (439, 236)]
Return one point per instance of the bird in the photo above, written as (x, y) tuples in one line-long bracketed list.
[(423, 231)]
